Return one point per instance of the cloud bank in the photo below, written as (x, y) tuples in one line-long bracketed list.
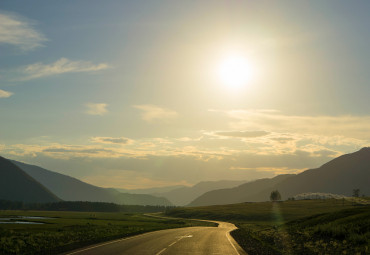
[(244, 134), (346, 125), (289, 145), (111, 140)]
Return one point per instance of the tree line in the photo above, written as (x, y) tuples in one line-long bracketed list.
[(82, 206)]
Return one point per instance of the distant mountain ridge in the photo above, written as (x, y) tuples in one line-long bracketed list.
[(72, 189), (183, 196), (29, 183), (151, 191), (239, 194), (339, 176), (16, 185)]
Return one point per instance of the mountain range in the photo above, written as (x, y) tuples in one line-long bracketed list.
[(184, 195), (155, 190), (339, 176), (24, 182), (29, 183), (239, 194)]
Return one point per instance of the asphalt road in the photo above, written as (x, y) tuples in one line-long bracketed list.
[(192, 240)]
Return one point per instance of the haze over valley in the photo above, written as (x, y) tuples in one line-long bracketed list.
[(339, 176)]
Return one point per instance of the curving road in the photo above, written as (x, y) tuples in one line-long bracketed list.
[(191, 240)]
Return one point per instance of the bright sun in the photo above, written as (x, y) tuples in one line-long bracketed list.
[(235, 71)]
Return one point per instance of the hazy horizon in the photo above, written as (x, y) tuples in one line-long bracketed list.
[(143, 94)]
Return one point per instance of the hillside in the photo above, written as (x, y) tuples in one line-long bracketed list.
[(339, 176), (72, 189), (183, 196), (16, 185), (242, 193)]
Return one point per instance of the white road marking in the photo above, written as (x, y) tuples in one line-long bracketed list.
[(185, 236), (172, 244), (179, 238), (128, 238), (161, 251), (103, 244), (228, 238)]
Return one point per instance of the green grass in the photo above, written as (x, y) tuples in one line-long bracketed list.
[(263, 212), (70, 230), (293, 227), (345, 230)]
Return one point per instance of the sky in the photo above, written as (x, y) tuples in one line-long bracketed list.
[(139, 94)]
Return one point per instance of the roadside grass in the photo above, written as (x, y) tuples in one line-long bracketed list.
[(293, 227), (342, 232), (70, 230), (262, 212)]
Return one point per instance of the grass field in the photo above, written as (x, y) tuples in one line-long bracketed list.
[(293, 227), (70, 230)]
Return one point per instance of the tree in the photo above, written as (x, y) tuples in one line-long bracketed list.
[(356, 193), (275, 195)]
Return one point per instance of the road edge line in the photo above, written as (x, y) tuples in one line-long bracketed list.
[(106, 243)]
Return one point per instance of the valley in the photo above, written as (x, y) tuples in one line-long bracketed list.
[(171, 127), (322, 210)]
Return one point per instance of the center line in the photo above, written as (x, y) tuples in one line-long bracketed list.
[(161, 251), (172, 243)]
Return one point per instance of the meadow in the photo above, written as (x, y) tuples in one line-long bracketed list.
[(64, 231), (293, 227)]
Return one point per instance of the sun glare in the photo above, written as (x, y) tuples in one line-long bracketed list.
[(235, 71)]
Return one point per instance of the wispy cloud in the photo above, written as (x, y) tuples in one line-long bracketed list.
[(73, 150), (152, 113), (63, 65), (19, 32), (346, 125), (129, 179), (5, 94), (63, 151), (243, 134), (96, 109), (111, 140), (282, 139), (275, 170)]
